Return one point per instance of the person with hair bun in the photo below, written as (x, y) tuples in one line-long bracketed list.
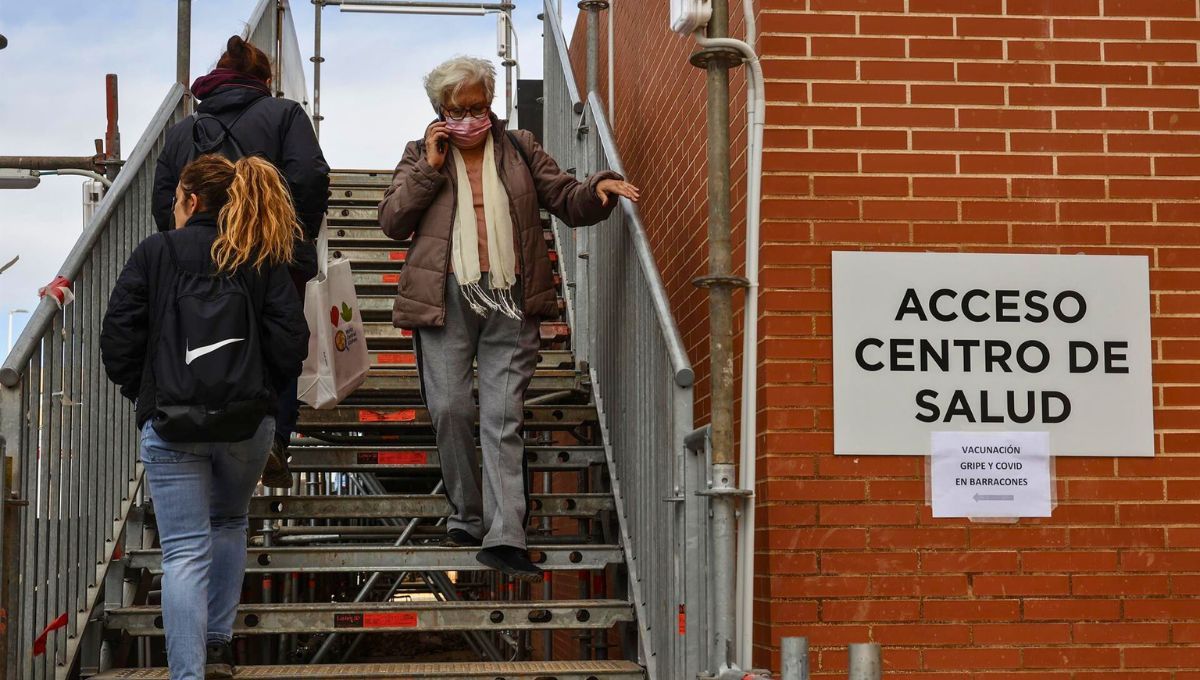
[(235, 230), (237, 93)]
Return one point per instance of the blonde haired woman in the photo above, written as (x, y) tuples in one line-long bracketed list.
[(203, 330), (475, 285)]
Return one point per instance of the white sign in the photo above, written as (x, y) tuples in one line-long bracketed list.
[(990, 474), (924, 342)]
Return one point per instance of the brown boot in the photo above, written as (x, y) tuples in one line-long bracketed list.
[(277, 475)]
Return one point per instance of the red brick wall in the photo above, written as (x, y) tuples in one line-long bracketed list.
[(1067, 126)]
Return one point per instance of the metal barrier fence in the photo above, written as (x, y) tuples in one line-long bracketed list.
[(71, 473), (642, 382), (68, 435)]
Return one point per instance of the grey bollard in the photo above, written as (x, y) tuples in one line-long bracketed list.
[(865, 661), (794, 655)]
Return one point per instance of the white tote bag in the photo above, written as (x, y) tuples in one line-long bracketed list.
[(337, 360)]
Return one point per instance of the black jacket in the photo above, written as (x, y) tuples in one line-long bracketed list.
[(144, 288), (277, 129)]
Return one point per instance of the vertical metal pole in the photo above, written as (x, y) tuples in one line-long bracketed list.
[(794, 658), (183, 47), (112, 135), (866, 662), (506, 17), (317, 60), (720, 283)]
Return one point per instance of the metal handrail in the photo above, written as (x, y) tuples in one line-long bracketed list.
[(682, 366), (40, 320)]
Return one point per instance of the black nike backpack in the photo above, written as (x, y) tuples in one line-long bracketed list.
[(209, 374), (208, 138)]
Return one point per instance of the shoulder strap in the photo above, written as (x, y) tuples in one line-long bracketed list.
[(171, 249), (512, 137)]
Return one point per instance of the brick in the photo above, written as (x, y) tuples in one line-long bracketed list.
[(957, 94), (868, 563), (1054, 234), (1160, 608), (1006, 164), (857, 5), (1114, 489), (804, 161), (1165, 29), (830, 46), (1155, 560), (1160, 657), (1003, 73), (1091, 658), (967, 562), (1087, 537), (956, 6), (809, 208), (908, 71), (905, 26), (1006, 119), (1056, 141), (1069, 561), (818, 586), (1154, 188), (896, 490), (964, 234), (1099, 29), (1166, 98), (923, 539), (1108, 165), (860, 139), (957, 659), (1021, 633), (1071, 610), (821, 539), (908, 116), (954, 48), (959, 186), (1090, 585), (1004, 211), (1180, 166), (1054, 96), (805, 490), (1053, 50), (1120, 633), (865, 514), (811, 24), (837, 185), (785, 138), (808, 69), (1107, 210), (910, 210), (811, 115), (1101, 74), (1148, 8), (1003, 27), (985, 585), (1153, 143), (1150, 51), (1176, 120), (942, 585), (1057, 188), (957, 141), (870, 610), (1054, 7), (1102, 120), (971, 610), (1178, 212), (908, 163), (861, 232)]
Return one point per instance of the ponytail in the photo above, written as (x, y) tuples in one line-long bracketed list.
[(258, 222)]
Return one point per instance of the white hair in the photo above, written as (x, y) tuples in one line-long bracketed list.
[(451, 76)]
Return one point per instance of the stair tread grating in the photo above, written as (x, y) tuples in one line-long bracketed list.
[(510, 670)]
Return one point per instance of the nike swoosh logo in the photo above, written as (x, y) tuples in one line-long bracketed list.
[(192, 354)]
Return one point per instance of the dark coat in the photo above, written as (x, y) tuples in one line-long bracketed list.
[(143, 290), (277, 129), (420, 205)]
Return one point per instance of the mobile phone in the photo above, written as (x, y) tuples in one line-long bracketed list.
[(441, 143)]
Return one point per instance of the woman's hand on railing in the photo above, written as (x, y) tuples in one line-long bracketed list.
[(617, 187)]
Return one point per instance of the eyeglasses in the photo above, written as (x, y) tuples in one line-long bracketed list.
[(474, 112)]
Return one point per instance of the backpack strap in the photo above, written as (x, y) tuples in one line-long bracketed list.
[(512, 137)]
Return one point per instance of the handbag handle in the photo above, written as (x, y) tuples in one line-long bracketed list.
[(323, 250)]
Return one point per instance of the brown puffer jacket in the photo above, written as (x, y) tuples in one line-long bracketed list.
[(420, 205)]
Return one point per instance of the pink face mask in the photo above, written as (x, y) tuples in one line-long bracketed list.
[(468, 132)]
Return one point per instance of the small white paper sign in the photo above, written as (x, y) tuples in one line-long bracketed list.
[(990, 474)]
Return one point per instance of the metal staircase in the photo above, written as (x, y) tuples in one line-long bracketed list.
[(365, 511)]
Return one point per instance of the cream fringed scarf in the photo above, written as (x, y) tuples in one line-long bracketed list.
[(464, 244)]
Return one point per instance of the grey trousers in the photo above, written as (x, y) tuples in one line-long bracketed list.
[(493, 508)]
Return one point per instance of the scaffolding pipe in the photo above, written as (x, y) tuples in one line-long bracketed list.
[(866, 661), (794, 658), (317, 60), (183, 45)]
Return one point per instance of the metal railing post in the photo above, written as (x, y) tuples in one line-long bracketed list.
[(317, 60), (794, 658), (866, 661), (183, 49)]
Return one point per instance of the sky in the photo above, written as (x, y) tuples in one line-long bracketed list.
[(59, 51)]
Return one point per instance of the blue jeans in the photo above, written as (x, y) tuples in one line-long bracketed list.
[(201, 495)]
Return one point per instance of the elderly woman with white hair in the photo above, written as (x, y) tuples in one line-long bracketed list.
[(476, 284)]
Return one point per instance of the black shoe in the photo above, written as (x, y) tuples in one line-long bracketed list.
[(277, 475), (219, 661), (510, 561), (458, 538)]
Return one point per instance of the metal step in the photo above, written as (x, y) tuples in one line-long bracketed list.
[(382, 334), (393, 418), (386, 617), (413, 505), (387, 384), (372, 235), (353, 558), (339, 179), (485, 670), (318, 458), (400, 360)]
